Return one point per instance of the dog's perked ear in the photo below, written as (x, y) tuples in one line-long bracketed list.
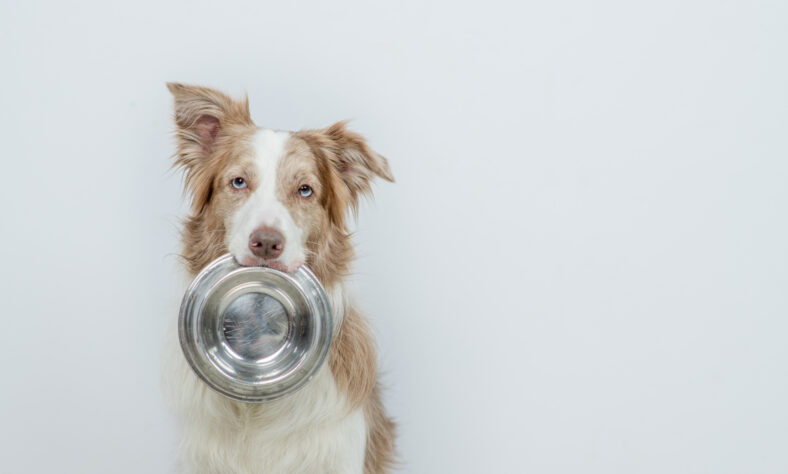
[(204, 117), (356, 163)]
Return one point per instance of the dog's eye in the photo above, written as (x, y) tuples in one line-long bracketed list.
[(239, 183), (305, 191)]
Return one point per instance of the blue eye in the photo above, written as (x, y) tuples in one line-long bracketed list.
[(305, 191), (239, 183)]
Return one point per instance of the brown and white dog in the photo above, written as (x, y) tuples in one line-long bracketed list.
[(279, 199)]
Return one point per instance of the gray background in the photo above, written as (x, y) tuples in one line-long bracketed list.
[(582, 267)]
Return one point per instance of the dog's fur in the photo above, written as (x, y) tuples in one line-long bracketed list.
[(336, 423)]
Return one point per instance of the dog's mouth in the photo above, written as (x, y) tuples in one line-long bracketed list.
[(275, 264)]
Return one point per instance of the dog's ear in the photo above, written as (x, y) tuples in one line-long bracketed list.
[(356, 163), (347, 164), (204, 117)]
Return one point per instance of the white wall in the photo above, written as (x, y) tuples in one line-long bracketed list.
[(582, 267)]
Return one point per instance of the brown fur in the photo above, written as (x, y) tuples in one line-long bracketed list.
[(353, 358), (354, 364), (381, 451), (213, 143)]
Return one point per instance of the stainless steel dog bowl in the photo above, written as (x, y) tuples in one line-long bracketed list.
[(254, 334)]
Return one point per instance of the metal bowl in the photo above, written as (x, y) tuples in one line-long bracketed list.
[(254, 334)]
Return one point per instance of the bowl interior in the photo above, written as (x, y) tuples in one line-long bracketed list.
[(255, 326)]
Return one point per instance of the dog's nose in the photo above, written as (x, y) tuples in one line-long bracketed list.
[(267, 243)]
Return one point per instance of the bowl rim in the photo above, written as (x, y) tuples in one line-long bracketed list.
[(320, 317)]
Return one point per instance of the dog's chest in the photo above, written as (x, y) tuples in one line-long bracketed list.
[(311, 431)]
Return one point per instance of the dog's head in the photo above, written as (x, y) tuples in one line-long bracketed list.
[(268, 197)]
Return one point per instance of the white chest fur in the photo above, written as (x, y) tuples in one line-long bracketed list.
[(310, 431)]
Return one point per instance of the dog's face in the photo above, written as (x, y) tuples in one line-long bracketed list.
[(270, 200), (268, 197)]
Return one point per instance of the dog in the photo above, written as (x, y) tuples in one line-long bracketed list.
[(279, 199)]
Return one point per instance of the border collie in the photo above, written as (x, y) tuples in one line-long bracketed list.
[(279, 199)]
